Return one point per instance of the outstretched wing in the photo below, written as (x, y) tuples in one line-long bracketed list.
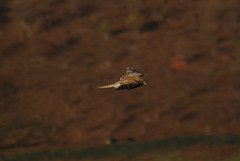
[(114, 85), (127, 80), (130, 82)]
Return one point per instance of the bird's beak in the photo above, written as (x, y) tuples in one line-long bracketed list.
[(144, 82)]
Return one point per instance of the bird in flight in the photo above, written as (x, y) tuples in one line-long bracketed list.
[(132, 79)]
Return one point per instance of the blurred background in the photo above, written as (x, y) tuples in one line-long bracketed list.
[(54, 54)]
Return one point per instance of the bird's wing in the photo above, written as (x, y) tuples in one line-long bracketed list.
[(131, 71), (114, 85), (128, 80), (122, 77)]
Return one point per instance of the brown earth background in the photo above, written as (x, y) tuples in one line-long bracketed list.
[(54, 54)]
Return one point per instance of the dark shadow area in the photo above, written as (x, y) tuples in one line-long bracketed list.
[(150, 26), (127, 149), (4, 10), (118, 31)]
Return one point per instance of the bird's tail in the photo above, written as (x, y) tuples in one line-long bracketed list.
[(114, 85)]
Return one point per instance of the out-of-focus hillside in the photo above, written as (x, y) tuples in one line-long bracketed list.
[(54, 54)]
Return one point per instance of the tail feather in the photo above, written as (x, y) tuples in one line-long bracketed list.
[(114, 85)]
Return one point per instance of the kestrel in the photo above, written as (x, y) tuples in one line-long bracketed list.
[(128, 81)]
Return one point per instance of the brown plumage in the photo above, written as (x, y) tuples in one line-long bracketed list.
[(128, 81)]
